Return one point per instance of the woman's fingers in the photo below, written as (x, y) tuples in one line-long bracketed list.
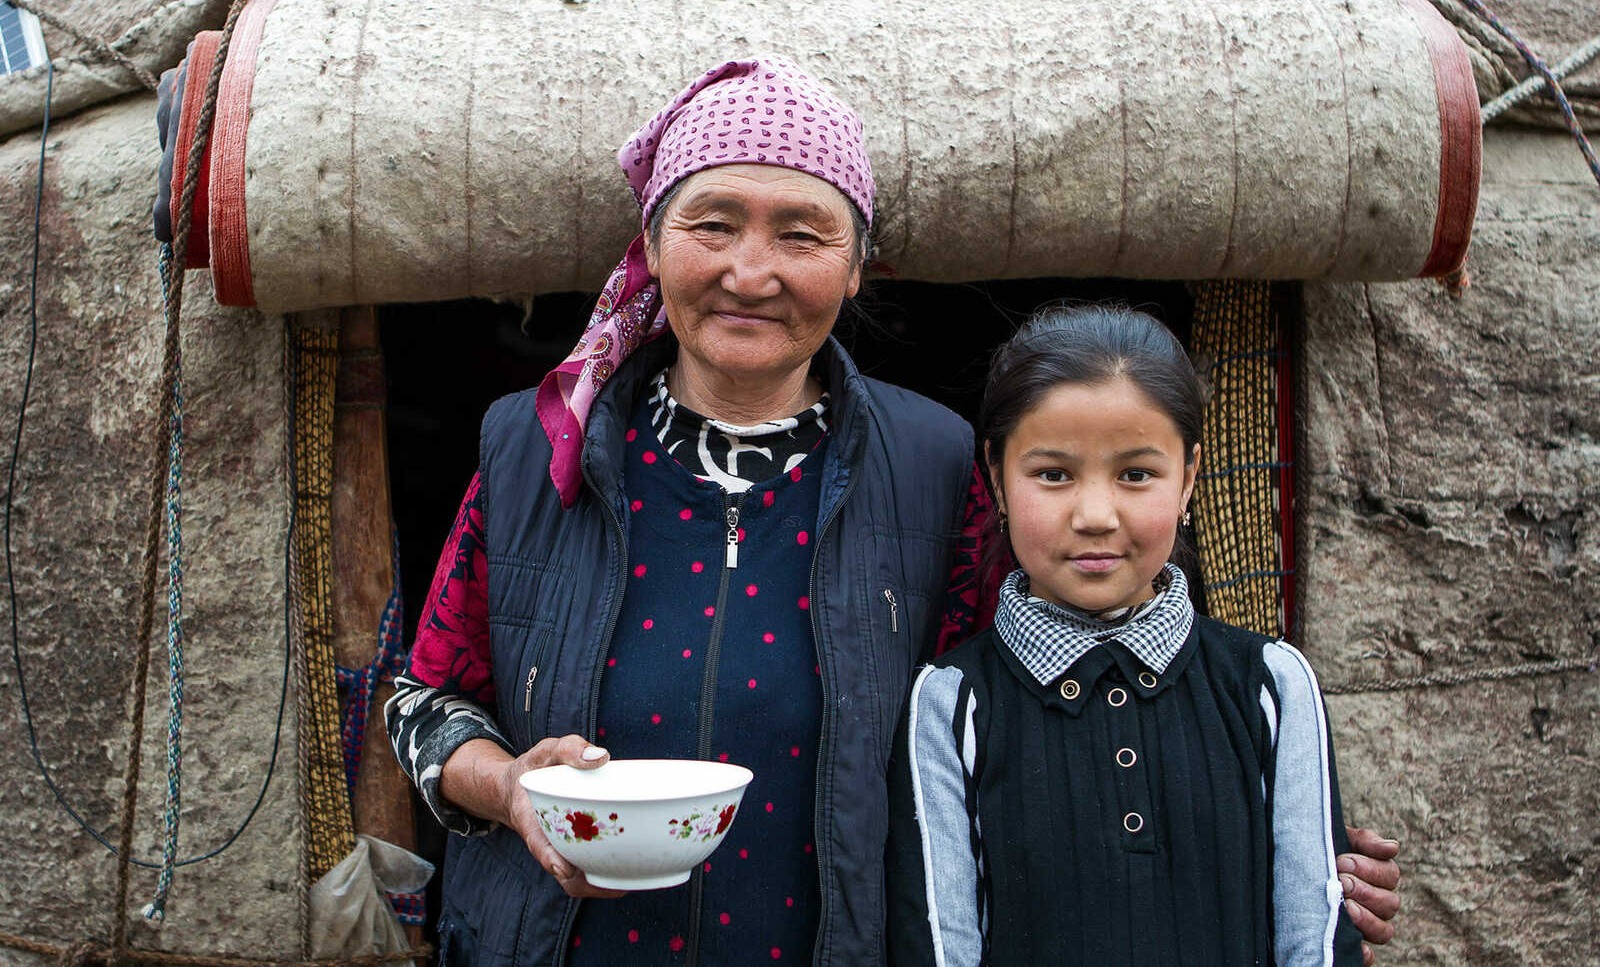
[(1372, 844), (572, 750), (1374, 929), (1370, 882), (1368, 958)]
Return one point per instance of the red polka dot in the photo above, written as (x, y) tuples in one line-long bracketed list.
[(794, 474), (794, 751), (611, 663), (802, 538), (724, 919), (710, 611), (655, 719), (675, 944), (810, 848), (639, 570), (770, 807), (722, 757), (805, 603), (577, 941), (751, 590), (707, 867), (649, 623), (687, 653), (600, 732), (631, 436), (649, 456), (777, 954), (697, 567), (788, 901), (633, 936), (741, 535), (816, 669), (769, 637), (767, 498), (751, 683), (637, 506), (685, 514), (744, 854)]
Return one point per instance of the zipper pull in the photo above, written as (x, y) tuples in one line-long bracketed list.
[(733, 537), (527, 690), (894, 611)]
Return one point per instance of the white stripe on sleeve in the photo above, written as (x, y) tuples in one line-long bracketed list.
[(1306, 892), (938, 784)]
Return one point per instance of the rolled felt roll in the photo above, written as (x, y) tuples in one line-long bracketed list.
[(434, 149)]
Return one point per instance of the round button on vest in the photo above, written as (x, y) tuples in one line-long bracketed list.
[(1117, 697), (1148, 680), (1126, 758), (1070, 689), (1133, 822)]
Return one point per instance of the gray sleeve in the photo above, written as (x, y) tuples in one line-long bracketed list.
[(1306, 896), (941, 764), (426, 725)]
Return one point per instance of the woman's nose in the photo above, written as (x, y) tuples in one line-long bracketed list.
[(751, 273)]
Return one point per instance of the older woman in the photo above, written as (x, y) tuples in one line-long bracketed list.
[(725, 543)]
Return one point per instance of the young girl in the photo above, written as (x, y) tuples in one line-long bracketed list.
[(1104, 777)]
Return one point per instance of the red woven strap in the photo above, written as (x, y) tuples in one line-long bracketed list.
[(202, 54), (1460, 141), (229, 232)]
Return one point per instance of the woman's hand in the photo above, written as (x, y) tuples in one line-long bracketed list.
[(569, 750), (1369, 877), (481, 778)]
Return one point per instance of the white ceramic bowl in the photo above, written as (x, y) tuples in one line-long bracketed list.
[(637, 824)]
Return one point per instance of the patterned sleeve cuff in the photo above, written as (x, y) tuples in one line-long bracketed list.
[(426, 725)]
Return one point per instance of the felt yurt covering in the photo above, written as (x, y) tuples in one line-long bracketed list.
[(410, 150)]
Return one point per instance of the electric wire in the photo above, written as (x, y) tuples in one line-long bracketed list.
[(11, 585)]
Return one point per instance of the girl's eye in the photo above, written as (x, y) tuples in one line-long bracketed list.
[(1053, 476), (1138, 476)]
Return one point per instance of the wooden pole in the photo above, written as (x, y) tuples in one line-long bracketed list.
[(363, 567)]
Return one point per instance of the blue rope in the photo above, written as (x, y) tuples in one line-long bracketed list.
[(1550, 79), (155, 910)]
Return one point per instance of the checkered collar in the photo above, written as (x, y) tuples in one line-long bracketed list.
[(1048, 639)]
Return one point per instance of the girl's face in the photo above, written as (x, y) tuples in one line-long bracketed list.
[(1093, 484)]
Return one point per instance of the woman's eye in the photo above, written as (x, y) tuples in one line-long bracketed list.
[(805, 237)]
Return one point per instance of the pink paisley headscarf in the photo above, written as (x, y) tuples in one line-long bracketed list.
[(759, 111)]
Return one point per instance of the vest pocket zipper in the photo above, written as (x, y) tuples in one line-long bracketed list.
[(894, 611), (527, 689)]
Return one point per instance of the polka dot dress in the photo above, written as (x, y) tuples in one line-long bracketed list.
[(719, 662)]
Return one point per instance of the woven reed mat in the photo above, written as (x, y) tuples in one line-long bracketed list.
[(326, 801), (1237, 511)]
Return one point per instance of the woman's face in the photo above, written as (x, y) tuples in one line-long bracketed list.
[(753, 261)]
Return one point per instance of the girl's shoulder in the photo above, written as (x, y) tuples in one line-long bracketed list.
[(971, 656)]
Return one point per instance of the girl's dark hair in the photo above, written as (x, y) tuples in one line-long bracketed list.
[(1083, 346)]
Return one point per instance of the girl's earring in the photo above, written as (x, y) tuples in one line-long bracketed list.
[(1003, 523), (1188, 518)]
